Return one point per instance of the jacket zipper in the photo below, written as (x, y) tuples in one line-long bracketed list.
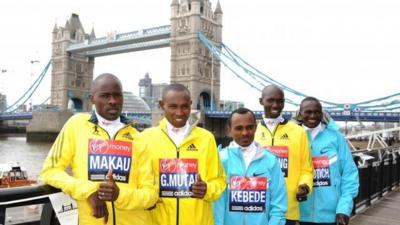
[(112, 203), (246, 174), (177, 156), (313, 199), (273, 134), (313, 211), (177, 199), (108, 135)]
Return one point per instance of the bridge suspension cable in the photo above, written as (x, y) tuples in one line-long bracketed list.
[(46, 100), (257, 80), (31, 90), (229, 61)]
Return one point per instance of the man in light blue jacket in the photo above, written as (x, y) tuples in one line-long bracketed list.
[(336, 179), (256, 192)]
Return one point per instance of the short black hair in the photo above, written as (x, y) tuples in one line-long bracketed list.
[(174, 87), (241, 110), (310, 98)]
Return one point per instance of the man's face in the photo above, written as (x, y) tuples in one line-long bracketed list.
[(311, 113), (176, 106), (242, 128), (107, 98), (273, 102)]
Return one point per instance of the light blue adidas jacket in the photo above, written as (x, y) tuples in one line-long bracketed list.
[(325, 202), (264, 164)]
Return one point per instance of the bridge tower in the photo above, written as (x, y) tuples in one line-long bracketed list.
[(72, 73), (191, 63)]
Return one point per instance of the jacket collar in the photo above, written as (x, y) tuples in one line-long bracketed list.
[(93, 118), (284, 121), (238, 152)]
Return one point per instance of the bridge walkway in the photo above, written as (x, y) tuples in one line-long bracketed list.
[(385, 211)]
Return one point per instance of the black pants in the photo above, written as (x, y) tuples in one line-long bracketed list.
[(291, 222), (307, 223)]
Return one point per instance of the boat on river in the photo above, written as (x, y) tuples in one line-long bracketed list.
[(13, 175)]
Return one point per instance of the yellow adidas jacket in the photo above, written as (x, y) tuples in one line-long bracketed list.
[(79, 145), (199, 145), (297, 165)]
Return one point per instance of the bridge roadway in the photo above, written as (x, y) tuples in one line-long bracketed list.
[(336, 115), (385, 211)]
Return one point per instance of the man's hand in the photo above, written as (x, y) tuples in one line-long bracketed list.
[(108, 191), (199, 188), (342, 219), (99, 207), (302, 192)]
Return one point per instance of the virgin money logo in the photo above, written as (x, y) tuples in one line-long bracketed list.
[(168, 165), (178, 165), (98, 146)]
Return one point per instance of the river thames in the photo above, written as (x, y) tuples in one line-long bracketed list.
[(28, 155)]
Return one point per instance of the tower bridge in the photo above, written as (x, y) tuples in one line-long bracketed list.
[(74, 53), (194, 37)]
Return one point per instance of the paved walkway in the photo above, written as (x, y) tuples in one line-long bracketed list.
[(386, 211)]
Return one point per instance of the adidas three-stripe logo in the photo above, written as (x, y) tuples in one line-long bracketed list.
[(192, 147), (285, 137)]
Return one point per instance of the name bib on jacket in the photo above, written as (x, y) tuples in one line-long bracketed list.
[(322, 175), (105, 154), (247, 194), (282, 152), (177, 177)]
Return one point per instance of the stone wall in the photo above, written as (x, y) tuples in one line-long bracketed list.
[(45, 126)]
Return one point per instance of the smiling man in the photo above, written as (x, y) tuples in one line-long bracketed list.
[(186, 163), (288, 141), (336, 178), (104, 136), (256, 193)]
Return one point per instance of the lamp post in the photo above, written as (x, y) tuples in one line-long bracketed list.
[(212, 81), (3, 104), (1, 80), (31, 99)]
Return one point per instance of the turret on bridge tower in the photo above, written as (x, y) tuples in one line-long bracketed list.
[(72, 73), (191, 62)]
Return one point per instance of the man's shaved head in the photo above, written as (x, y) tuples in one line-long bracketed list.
[(106, 95), (105, 77), (271, 88)]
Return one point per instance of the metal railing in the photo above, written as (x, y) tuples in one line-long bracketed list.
[(379, 175), (30, 195)]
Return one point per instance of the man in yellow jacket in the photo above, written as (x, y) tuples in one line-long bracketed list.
[(112, 179), (289, 142), (186, 162)]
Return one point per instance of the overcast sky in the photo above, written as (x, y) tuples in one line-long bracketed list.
[(336, 50)]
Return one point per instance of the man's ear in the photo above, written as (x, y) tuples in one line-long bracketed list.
[(228, 131), (298, 116), (260, 101), (91, 98), (161, 104)]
